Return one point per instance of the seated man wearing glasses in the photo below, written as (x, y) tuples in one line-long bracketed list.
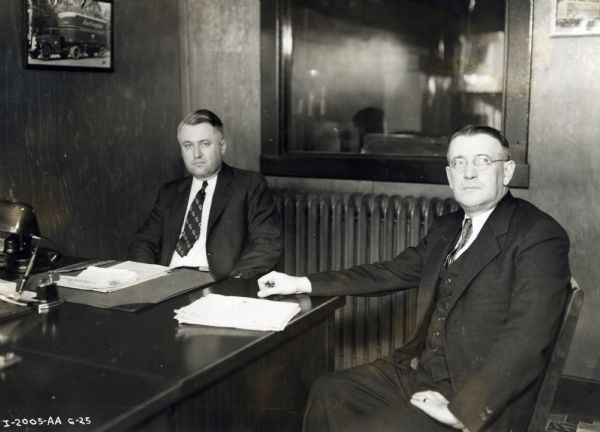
[(492, 283)]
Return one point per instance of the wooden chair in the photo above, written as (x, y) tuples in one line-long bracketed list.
[(556, 363)]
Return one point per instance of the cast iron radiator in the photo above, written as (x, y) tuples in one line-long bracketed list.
[(334, 231)]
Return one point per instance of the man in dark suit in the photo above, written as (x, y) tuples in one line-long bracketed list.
[(492, 283), (220, 218)]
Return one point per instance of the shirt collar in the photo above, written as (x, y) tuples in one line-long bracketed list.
[(198, 182), (479, 220)]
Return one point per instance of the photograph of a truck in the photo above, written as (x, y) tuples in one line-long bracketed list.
[(75, 35)]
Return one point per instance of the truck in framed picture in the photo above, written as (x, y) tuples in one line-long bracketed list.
[(69, 34)]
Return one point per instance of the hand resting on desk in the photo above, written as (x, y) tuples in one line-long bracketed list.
[(281, 283)]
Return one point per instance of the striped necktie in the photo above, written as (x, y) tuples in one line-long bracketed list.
[(193, 220), (465, 234)]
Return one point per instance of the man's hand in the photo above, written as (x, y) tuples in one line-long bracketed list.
[(281, 283), (435, 405)]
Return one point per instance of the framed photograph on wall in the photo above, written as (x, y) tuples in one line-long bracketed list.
[(68, 34), (575, 17)]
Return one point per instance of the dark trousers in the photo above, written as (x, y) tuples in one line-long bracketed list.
[(372, 397)]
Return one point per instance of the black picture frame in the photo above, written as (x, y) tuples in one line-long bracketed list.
[(276, 56), (68, 35)]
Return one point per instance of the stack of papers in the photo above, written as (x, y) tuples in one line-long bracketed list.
[(109, 279), (588, 427), (7, 287), (238, 312)]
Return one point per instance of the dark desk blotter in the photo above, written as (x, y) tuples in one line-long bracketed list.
[(142, 295)]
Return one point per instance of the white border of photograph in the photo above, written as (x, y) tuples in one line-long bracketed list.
[(575, 18)]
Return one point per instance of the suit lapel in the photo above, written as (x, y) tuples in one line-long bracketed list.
[(433, 265), (176, 215), (222, 194), (484, 249), (486, 246)]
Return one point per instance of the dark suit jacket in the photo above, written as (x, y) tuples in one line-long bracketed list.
[(503, 318), (244, 229)]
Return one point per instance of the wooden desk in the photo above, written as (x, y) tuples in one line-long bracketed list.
[(143, 371)]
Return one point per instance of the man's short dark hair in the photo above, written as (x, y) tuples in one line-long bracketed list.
[(470, 130), (201, 116)]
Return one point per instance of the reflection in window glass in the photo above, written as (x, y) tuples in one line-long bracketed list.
[(393, 76)]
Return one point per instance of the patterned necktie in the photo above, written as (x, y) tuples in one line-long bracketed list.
[(191, 229), (465, 234)]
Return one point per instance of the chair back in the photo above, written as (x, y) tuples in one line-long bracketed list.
[(557, 360)]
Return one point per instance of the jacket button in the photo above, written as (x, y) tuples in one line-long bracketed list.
[(414, 363), (441, 319), (436, 333)]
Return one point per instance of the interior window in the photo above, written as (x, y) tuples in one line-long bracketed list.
[(371, 89), (393, 77)]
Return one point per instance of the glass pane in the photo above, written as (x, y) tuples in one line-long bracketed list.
[(393, 76)]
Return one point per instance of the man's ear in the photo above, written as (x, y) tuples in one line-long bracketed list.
[(449, 175), (223, 145), (509, 172)]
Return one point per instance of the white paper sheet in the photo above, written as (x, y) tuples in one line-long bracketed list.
[(116, 277), (238, 312)]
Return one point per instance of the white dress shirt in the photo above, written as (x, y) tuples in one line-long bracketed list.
[(196, 257), (478, 222)]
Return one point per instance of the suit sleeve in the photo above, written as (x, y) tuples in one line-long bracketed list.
[(518, 354), (147, 243), (263, 247), (402, 272)]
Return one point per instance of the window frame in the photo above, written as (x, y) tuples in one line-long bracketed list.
[(276, 65)]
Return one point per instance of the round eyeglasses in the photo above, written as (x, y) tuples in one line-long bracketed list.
[(481, 163)]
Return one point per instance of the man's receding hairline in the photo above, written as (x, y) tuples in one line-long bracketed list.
[(505, 150), (181, 126), (201, 116)]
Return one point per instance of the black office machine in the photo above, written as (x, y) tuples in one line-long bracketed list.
[(21, 234)]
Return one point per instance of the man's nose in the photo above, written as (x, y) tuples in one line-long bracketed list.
[(197, 151), (470, 171)]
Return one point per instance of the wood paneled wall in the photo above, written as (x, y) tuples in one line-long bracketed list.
[(221, 70), (88, 149), (564, 153)]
